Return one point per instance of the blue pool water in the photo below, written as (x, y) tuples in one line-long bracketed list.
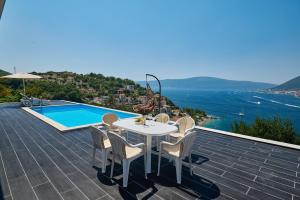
[(78, 115)]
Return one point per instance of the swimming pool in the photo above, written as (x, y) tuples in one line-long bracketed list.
[(74, 116)]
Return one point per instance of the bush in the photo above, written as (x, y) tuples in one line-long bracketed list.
[(194, 112), (274, 129)]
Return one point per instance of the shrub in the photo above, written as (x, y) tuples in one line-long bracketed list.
[(274, 129)]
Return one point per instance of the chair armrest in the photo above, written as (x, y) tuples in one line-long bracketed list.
[(136, 145), (190, 129), (167, 143)]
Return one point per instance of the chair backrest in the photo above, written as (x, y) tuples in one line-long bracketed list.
[(185, 123), (109, 118), (187, 143), (162, 117), (118, 144), (98, 137)]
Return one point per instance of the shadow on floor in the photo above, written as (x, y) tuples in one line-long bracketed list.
[(138, 187), (1, 192)]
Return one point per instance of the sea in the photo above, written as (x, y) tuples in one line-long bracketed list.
[(230, 106)]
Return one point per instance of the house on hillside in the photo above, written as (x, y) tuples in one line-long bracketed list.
[(129, 88)]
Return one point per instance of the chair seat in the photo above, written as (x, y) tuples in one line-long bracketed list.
[(132, 151), (106, 143), (176, 135), (173, 150)]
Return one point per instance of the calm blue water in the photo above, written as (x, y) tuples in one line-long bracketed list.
[(78, 115), (227, 105)]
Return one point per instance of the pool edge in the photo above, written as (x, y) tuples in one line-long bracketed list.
[(63, 128)]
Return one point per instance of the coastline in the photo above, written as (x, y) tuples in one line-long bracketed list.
[(206, 120)]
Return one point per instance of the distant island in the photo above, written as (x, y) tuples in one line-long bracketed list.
[(291, 87), (212, 83)]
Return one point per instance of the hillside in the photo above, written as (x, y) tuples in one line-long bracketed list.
[(69, 86), (211, 83), (293, 84)]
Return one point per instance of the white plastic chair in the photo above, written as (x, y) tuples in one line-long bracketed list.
[(178, 151), (163, 118), (185, 124), (101, 142), (125, 152)]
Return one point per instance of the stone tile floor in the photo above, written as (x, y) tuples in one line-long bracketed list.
[(39, 162)]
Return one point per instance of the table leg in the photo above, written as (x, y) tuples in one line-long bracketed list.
[(149, 151)]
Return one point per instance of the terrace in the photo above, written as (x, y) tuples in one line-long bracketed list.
[(39, 162)]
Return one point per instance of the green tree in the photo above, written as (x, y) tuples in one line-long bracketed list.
[(274, 129), (4, 91)]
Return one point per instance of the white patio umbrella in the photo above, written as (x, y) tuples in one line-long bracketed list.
[(22, 76)]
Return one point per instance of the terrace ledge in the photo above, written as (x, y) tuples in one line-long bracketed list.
[(267, 141)]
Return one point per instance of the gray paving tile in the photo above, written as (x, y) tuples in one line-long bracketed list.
[(8, 198), (280, 174), (282, 163), (169, 194), (21, 188), (257, 194), (3, 180), (285, 156), (74, 194), (47, 192), (296, 198), (276, 179), (92, 191), (218, 179), (258, 186), (12, 165), (33, 171), (278, 185)]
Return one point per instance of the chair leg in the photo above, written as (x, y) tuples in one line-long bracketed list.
[(157, 143), (168, 138), (104, 160), (178, 164), (159, 160), (145, 164), (126, 165), (94, 154), (125, 134), (190, 161), (112, 167)]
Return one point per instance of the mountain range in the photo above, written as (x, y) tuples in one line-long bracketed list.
[(210, 83), (213, 83)]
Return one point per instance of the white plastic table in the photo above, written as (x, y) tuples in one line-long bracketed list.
[(149, 130)]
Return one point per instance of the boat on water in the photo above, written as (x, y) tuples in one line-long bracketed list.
[(241, 114)]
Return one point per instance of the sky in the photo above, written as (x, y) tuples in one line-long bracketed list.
[(256, 40)]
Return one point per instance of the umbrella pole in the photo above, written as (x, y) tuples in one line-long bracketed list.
[(24, 87)]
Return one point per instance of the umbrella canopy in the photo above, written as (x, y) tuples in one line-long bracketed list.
[(22, 76)]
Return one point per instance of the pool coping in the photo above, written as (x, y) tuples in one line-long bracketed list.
[(63, 128)]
